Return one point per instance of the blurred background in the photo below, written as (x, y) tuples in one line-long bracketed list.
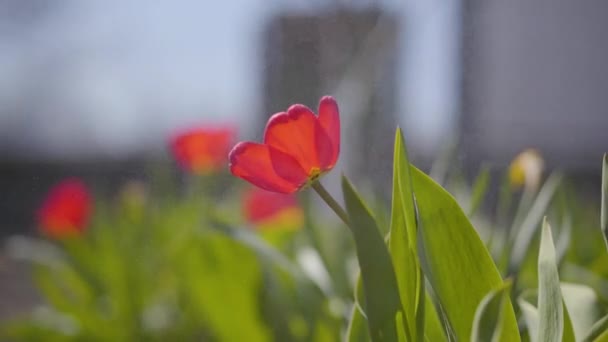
[(95, 89)]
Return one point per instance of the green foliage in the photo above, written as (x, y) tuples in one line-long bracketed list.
[(550, 307), (480, 188), (403, 243), (487, 325), (184, 265), (382, 302), (604, 203), (456, 263), (598, 332)]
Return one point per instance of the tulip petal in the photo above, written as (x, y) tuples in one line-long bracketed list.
[(261, 205), (66, 209), (299, 134), (329, 118), (202, 149), (266, 167)]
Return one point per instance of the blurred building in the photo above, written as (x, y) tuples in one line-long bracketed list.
[(351, 54), (535, 74)]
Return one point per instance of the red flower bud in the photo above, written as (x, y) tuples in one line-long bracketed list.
[(202, 150), (66, 209)]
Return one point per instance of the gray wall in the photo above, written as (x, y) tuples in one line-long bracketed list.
[(536, 74)]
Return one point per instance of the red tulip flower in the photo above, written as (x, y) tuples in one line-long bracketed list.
[(66, 209), (202, 150), (298, 148), (265, 209)]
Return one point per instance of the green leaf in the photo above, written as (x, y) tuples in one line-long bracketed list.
[(487, 325), (526, 231), (604, 208), (455, 260), (380, 289), (568, 328), (402, 243), (400, 327), (433, 328), (530, 315), (583, 306), (224, 288), (550, 307), (598, 332), (479, 189), (357, 327)]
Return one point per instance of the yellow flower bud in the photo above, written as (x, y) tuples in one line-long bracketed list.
[(526, 170)]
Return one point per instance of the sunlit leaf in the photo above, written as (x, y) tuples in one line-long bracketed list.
[(224, 288), (604, 208), (455, 260), (380, 289), (568, 328), (402, 243), (433, 327), (487, 325), (401, 337), (357, 326), (480, 188), (526, 231), (550, 306), (598, 332), (530, 316), (583, 306)]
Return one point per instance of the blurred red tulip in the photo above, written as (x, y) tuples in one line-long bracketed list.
[(203, 150), (267, 210), (66, 209), (298, 148)]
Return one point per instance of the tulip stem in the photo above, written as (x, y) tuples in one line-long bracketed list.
[(331, 202)]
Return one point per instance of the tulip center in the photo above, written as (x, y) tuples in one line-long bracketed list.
[(313, 175)]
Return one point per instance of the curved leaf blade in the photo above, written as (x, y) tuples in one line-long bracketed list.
[(433, 327), (530, 316), (487, 325), (604, 205), (382, 302), (583, 305), (598, 332), (455, 260), (480, 188), (402, 243), (357, 327), (550, 307), (529, 226)]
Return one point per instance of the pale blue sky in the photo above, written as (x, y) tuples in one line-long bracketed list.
[(115, 76)]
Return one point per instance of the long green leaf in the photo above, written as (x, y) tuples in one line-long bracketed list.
[(487, 325), (480, 188), (402, 243), (550, 307), (604, 209), (433, 328), (530, 316), (357, 326), (583, 306), (528, 228), (455, 260), (598, 332), (382, 302), (568, 327)]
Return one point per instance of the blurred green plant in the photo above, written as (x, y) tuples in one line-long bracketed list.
[(156, 264)]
